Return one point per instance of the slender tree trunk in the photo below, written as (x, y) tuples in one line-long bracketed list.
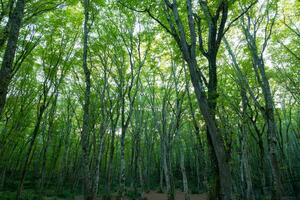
[(164, 139), (136, 164), (268, 110), (30, 150), (141, 178), (98, 159), (161, 168), (122, 150), (122, 168), (110, 162), (86, 110), (166, 170), (65, 156), (184, 177), (2, 179), (46, 144), (15, 23)]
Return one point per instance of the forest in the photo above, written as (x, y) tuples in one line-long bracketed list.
[(150, 99)]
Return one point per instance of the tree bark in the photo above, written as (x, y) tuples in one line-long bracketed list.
[(15, 23), (206, 104), (98, 159), (184, 177), (268, 111), (85, 133), (244, 147)]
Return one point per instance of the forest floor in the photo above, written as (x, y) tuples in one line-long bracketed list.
[(153, 195)]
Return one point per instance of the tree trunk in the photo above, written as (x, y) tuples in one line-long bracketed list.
[(122, 168), (65, 156), (15, 23), (244, 147), (86, 110), (268, 110), (272, 141), (97, 160), (30, 150), (217, 143), (110, 161), (166, 171), (206, 104), (184, 178), (141, 178)]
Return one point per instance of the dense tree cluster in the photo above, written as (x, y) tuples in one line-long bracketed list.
[(115, 98)]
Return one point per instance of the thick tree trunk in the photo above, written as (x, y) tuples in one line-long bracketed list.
[(15, 23), (217, 143), (244, 147), (212, 104)]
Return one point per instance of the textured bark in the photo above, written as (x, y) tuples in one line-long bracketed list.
[(85, 133), (6, 11), (244, 147), (272, 141), (217, 143), (15, 23)]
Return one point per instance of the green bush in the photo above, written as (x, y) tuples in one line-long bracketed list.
[(7, 195), (30, 195), (66, 195)]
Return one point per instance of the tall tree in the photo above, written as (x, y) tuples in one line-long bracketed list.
[(6, 71), (187, 43), (268, 110), (85, 133)]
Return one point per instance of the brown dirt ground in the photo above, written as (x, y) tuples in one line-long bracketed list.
[(179, 196)]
